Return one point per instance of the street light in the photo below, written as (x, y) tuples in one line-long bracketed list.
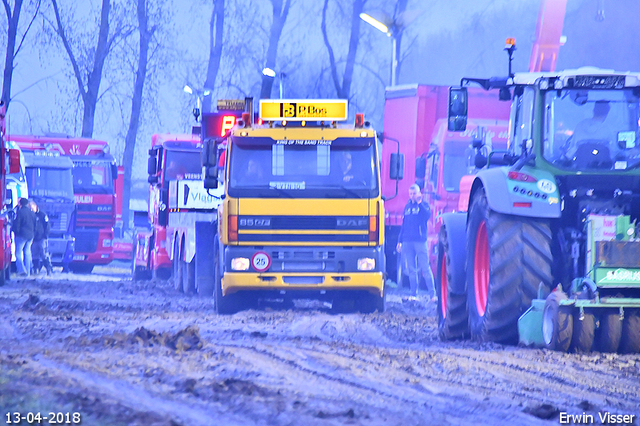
[(271, 73), (390, 32), (199, 95)]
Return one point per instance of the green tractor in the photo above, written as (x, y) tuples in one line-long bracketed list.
[(549, 251)]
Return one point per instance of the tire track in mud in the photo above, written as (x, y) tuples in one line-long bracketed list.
[(400, 390), (137, 398), (302, 366)]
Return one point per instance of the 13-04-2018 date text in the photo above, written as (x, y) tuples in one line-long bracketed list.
[(52, 418)]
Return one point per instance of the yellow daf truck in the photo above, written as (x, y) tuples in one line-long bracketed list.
[(301, 215)]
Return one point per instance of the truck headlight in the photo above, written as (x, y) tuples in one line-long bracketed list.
[(366, 264), (106, 243), (240, 264)]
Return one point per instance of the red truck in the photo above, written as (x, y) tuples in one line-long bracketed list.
[(94, 174), (177, 200), (10, 164), (415, 126)]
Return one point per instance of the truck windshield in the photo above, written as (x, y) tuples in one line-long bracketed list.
[(92, 177), (264, 168), (49, 183), (592, 129), (182, 165)]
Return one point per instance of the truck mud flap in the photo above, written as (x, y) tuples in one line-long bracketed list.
[(205, 238)]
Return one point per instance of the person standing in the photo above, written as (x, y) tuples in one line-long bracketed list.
[(23, 228), (40, 247), (412, 241)]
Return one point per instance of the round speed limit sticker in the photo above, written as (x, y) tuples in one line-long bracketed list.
[(261, 261)]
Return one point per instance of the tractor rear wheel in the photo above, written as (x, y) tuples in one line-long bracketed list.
[(583, 332), (508, 258), (452, 308), (609, 333), (557, 323), (630, 343)]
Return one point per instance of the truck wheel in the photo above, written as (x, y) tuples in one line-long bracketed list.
[(228, 304), (557, 323), (609, 333), (583, 332), (630, 343), (344, 302), (81, 268), (369, 303), (177, 269), (508, 257), (188, 276), (452, 308)]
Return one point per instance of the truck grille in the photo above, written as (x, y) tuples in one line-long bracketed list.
[(346, 229), (59, 221), (86, 240)]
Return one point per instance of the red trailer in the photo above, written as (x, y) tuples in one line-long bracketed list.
[(415, 126), (94, 175)]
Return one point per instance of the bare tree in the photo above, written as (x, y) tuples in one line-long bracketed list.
[(398, 15), (216, 32), (343, 88), (90, 89), (280, 12), (13, 19), (145, 34)]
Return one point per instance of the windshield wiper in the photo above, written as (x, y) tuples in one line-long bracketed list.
[(345, 189), (280, 191)]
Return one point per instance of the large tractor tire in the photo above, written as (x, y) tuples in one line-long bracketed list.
[(508, 258), (452, 308), (557, 323), (177, 267), (609, 333), (584, 331), (630, 343)]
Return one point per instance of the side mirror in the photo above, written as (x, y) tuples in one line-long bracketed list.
[(152, 166), (14, 161), (396, 166), (421, 168), (458, 105), (114, 171), (210, 164)]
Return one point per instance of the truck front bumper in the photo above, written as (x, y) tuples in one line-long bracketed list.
[(372, 282)]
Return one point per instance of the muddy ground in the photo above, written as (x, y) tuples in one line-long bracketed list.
[(138, 353)]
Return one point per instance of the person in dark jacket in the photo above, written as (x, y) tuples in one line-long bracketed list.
[(412, 241), (40, 246), (23, 228)]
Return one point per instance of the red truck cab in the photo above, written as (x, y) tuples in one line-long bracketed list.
[(434, 158), (94, 174)]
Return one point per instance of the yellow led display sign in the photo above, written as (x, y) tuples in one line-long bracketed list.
[(303, 109)]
